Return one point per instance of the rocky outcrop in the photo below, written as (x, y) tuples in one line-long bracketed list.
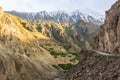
[(109, 35)]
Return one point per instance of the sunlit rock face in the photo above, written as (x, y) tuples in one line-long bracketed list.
[(109, 35)]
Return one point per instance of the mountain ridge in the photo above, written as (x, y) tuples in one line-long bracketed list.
[(62, 16)]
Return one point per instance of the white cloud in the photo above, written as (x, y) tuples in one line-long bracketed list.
[(50, 5)]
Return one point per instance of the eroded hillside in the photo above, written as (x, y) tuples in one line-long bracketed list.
[(19, 47)]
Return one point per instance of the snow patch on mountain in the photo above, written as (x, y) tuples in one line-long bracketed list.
[(87, 14), (62, 16)]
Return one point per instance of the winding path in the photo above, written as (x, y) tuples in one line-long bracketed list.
[(104, 53)]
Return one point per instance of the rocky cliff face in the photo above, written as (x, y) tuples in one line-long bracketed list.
[(95, 65), (109, 35)]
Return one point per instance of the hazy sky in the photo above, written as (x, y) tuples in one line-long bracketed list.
[(52, 5)]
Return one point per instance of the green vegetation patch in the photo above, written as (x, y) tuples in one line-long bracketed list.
[(66, 66), (56, 67), (67, 46), (75, 58), (73, 53), (56, 53), (38, 28)]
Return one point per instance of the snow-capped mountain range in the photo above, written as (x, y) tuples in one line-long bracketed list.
[(62, 16), (87, 15)]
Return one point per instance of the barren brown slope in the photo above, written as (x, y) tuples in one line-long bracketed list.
[(95, 66), (17, 67)]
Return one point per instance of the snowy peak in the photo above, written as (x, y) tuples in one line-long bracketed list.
[(88, 15), (54, 13), (61, 16), (89, 12)]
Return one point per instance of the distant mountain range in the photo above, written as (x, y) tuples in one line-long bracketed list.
[(62, 16)]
